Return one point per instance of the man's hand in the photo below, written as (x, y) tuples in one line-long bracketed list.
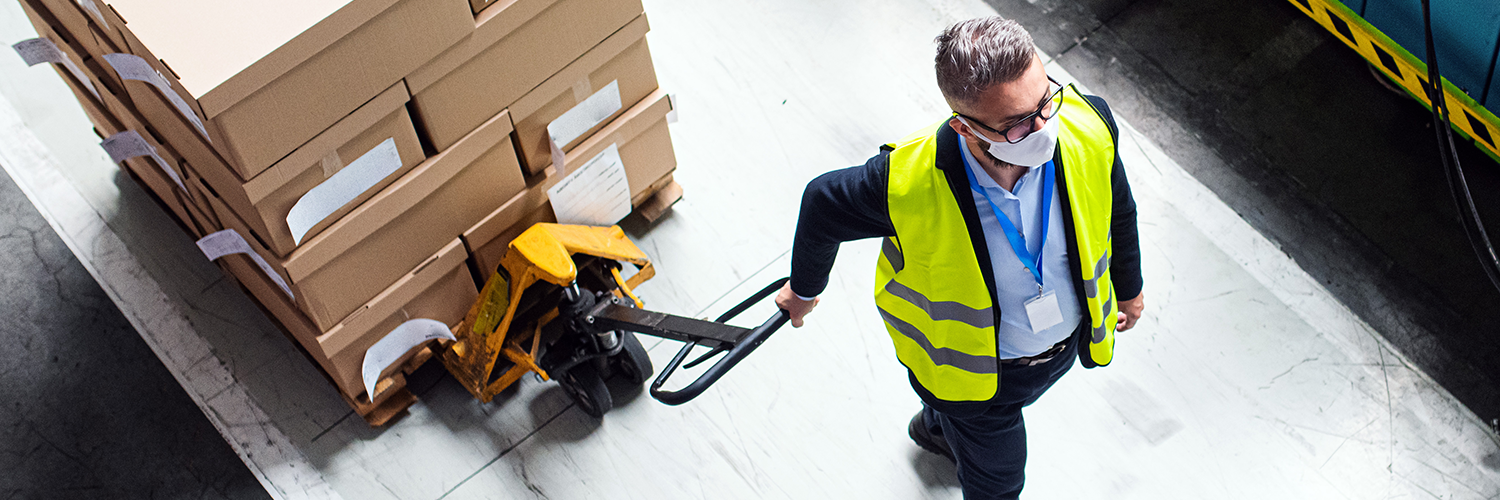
[(794, 305), (1130, 312)]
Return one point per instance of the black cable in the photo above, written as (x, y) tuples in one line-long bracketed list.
[(1473, 227)]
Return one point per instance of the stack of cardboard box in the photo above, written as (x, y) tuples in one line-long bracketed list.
[(374, 156)]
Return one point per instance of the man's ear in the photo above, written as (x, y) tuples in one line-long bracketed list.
[(959, 126)]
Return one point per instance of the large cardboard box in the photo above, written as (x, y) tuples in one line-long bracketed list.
[(490, 25), (269, 76), (352, 261), (621, 64), (107, 26), (155, 181), (107, 105), (440, 288), (645, 147), (275, 303), (200, 208), (197, 221), (134, 46), (105, 124), (152, 110), (265, 201), (49, 28), (505, 58), (488, 240), (110, 117), (82, 23), (128, 119)]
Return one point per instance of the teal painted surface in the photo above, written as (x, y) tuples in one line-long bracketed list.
[(1358, 6), (1466, 32)]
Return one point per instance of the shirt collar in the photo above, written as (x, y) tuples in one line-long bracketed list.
[(985, 181)]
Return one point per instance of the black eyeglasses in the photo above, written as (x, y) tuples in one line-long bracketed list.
[(1023, 127)]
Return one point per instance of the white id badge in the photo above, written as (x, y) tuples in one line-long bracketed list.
[(1043, 311)]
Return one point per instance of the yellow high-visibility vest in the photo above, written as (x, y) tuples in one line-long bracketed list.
[(928, 284)]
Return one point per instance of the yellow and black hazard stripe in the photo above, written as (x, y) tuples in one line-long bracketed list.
[(1467, 116)]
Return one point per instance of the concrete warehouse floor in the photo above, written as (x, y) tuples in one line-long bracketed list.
[(1267, 367)]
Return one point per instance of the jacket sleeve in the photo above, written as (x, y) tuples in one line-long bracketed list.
[(1125, 266), (842, 205)]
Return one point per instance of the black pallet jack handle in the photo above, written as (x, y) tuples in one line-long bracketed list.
[(719, 337)]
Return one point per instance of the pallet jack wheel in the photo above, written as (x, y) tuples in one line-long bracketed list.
[(587, 389), (632, 362)]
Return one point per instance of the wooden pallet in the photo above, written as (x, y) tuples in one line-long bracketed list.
[(661, 201), (392, 397)]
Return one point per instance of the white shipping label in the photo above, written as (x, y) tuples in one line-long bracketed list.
[(41, 50), (395, 344), (93, 8), (597, 194), (228, 242), (592, 111), (559, 160), (129, 144), (132, 67), (343, 187)]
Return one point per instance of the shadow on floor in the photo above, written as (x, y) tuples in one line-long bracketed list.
[(89, 410)]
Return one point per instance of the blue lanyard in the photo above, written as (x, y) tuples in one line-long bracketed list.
[(1032, 263)]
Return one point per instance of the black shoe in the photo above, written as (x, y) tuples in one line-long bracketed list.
[(935, 443)]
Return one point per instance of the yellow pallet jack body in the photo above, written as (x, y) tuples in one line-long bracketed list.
[(558, 306)]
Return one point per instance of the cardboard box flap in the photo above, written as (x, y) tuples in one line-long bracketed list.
[(389, 202), (225, 51), (392, 299), (490, 26), (357, 122)]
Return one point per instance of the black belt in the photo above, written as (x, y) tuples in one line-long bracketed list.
[(1044, 357)]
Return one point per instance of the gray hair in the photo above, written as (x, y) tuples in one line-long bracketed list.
[(975, 54)]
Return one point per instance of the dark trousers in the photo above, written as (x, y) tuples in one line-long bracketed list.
[(991, 447)]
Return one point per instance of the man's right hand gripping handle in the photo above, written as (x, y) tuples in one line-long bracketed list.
[(795, 307)]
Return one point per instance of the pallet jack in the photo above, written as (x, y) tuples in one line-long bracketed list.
[(558, 306)]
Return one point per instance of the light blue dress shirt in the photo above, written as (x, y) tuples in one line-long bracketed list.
[(1014, 283)]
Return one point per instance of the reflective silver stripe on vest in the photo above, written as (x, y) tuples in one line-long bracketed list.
[(943, 311), (942, 355), (1091, 285), (1104, 325), (892, 254)]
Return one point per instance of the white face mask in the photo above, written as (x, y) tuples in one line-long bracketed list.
[(1033, 150)]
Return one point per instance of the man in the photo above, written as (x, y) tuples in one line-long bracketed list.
[(1010, 246)]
